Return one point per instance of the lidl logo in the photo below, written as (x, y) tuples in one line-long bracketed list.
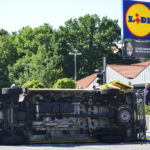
[(137, 19)]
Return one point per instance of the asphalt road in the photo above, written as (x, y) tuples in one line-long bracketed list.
[(93, 146), (89, 146)]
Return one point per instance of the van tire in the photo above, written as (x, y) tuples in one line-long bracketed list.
[(124, 116)]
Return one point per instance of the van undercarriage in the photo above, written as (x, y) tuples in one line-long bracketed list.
[(69, 116)]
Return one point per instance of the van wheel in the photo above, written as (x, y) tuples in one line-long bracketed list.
[(124, 116)]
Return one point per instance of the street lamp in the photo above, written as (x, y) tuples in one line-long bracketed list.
[(27, 65), (75, 54)]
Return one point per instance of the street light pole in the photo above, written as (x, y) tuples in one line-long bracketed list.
[(27, 65), (75, 54)]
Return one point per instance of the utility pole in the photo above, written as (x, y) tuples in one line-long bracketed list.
[(27, 65), (75, 54), (104, 70)]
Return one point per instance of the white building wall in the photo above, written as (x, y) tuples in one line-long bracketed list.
[(93, 83), (112, 75), (143, 77)]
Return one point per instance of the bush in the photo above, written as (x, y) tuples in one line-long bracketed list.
[(64, 83), (33, 84), (147, 110)]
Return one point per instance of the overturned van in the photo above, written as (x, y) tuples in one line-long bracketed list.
[(70, 116)]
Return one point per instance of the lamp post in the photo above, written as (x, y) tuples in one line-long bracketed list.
[(75, 54), (27, 65)]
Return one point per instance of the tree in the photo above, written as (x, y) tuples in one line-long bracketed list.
[(64, 83), (17, 71), (92, 37), (8, 55), (25, 42), (46, 67), (36, 46), (48, 49), (33, 84), (3, 32)]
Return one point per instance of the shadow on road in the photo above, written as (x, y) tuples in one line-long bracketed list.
[(85, 144)]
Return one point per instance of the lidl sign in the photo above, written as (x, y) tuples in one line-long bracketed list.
[(136, 20)]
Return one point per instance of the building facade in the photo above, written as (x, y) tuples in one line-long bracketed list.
[(137, 74)]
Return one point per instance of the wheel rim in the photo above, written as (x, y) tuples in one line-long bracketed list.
[(124, 116)]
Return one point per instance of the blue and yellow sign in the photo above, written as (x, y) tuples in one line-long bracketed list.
[(136, 20)]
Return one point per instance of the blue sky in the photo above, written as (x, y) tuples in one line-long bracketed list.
[(14, 14)]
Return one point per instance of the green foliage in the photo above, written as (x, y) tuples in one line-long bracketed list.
[(47, 49), (33, 84), (8, 55), (17, 72), (45, 67), (3, 32), (36, 46), (147, 110), (64, 83), (92, 37)]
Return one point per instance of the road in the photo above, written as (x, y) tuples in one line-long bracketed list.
[(89, 146), (93, 146)]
